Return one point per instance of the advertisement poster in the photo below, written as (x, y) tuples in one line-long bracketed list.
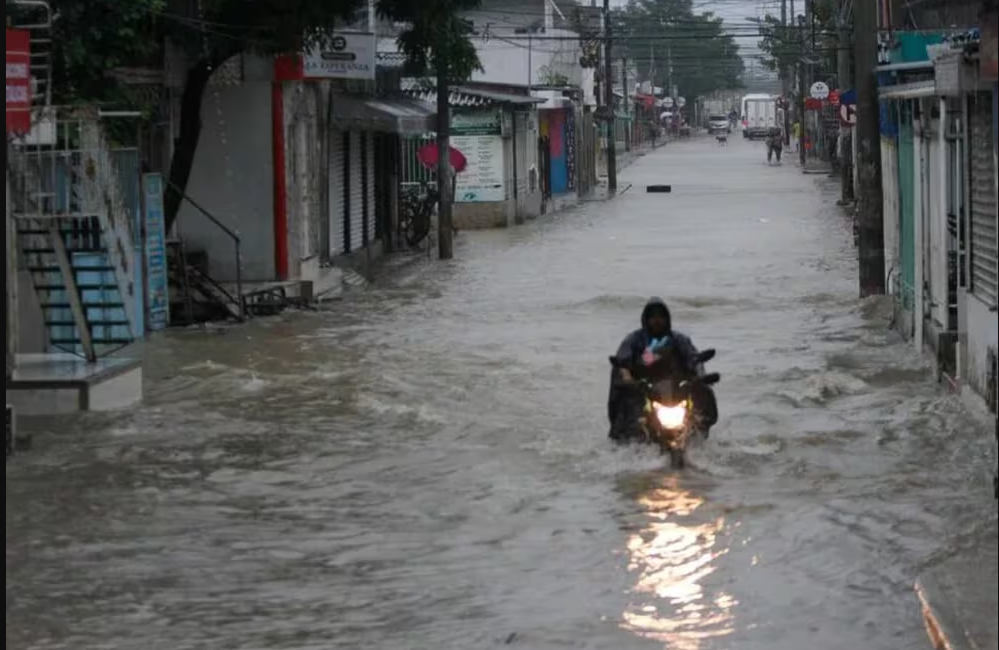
[(477, 136), (157, 283), (18, 82)]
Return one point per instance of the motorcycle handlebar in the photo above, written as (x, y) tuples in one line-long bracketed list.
[(709, 379)]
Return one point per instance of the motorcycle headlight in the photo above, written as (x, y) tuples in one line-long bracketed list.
[(671, 417)]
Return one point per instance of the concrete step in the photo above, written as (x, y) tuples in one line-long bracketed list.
[(959, 597)]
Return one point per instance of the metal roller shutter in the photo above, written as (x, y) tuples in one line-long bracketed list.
[(338, 214), (356, 194), (372, 225), (983, 200)]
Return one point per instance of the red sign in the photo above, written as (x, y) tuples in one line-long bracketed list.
[(18, 81), (812, 104)]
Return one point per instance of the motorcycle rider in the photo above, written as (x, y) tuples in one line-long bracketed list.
[(645, 347)]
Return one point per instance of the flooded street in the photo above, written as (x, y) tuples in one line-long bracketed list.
[(425, 465)]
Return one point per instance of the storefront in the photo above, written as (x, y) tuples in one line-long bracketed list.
[(361, 176)]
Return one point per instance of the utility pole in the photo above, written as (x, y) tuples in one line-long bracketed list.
[(845, 78), (785, 64), (445, 218), (870, 220), (627, 109), (802, 95), (11, 281), (669, 73), (609, 95)]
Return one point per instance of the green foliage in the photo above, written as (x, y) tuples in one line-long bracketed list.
[(435, 35), (782, 45), (658, 33), (92, 38), (779, 43), (95, 37)]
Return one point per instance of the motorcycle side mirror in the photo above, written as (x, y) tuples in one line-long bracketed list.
[(711, 379), (707, 355)]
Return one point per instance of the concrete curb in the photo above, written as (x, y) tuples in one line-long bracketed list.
[(959, 598)]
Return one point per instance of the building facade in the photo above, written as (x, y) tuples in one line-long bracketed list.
[(939, 181)]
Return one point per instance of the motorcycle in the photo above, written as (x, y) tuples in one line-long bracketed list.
[(668, 417)]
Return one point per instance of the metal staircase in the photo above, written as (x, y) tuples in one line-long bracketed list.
[(75, 236), (82, 304)]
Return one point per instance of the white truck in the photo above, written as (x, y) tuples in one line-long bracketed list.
[(759, 115), (714, 107)]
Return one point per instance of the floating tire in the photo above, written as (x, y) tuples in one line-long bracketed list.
[(659, 189)]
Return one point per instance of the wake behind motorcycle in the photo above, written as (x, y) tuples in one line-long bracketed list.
[(668, 417)]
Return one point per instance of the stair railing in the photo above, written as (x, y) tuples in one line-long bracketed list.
[(104, 197), (237, 244)]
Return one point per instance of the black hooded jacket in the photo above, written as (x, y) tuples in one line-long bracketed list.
[(630, 352), (634, 344)]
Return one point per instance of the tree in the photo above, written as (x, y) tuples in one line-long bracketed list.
[(436, 35), (225, 28), (673, 45), (93, 38), (83, 59), (781, 44)]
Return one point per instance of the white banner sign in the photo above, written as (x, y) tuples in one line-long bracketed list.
[(348, 55), (484, 180)]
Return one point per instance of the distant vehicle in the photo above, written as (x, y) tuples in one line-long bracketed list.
[(719, 125), (714, 107), (759, 115)]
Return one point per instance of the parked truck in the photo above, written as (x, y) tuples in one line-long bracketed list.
[(759, 115)]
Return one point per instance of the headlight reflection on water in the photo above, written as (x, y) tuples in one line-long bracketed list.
[(672, 557)]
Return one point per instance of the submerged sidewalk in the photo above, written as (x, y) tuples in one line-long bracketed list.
[(959, 597)]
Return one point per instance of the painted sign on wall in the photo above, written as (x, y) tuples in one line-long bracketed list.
[(157, 284), (570, 148), (18, 81), (478, 137)]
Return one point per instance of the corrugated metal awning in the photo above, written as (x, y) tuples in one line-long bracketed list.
[(467, 97), (914, 90), (401, 116), (500, 97)]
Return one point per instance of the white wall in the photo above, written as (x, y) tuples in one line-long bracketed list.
[(511, 58), (937, 238), (528, 201), (233, 178), (304, 104), (889, 186), (982, 333)]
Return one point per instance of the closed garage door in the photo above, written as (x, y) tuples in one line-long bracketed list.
[(983, 200), (338, 204)]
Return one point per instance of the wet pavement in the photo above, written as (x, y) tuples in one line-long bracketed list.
[(424, 465)]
